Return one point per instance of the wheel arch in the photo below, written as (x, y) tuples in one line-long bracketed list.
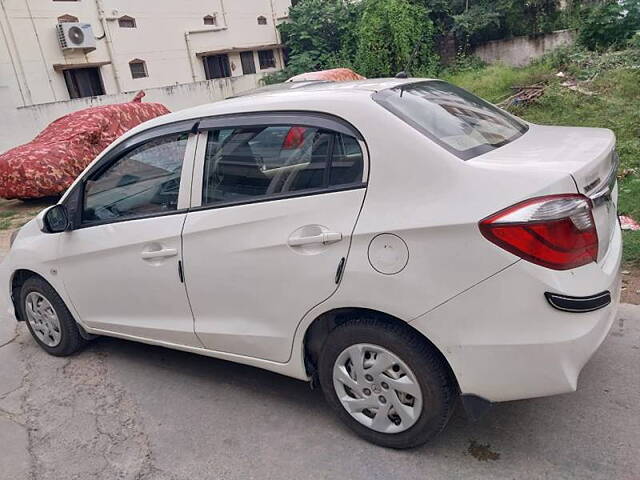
[(319, 329), (18, 278)]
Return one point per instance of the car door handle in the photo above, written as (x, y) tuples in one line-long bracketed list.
[(162, 253), (324, 238)]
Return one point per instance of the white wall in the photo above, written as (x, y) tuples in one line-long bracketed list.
[(520, 51), (29, 41), (29, 50), (21, 125)]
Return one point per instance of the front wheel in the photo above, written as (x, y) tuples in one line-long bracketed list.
[(48, 318), (386, 383)]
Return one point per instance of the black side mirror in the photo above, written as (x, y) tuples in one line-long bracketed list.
[(56, 219)]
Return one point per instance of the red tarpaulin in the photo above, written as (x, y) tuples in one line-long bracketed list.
[(333, 75), (48, 164)]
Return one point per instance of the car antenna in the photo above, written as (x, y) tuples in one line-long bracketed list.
[(405, 73), (412, 57)]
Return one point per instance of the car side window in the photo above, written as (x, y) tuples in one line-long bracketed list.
[(347, 162), (144, 181), (257, 162)]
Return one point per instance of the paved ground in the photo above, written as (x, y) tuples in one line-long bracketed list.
[(131, 411)]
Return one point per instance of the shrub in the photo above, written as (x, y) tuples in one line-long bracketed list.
[(388, 33), (609, 24)]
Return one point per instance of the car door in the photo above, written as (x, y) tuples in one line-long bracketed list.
[(276, 198), (120, 264)]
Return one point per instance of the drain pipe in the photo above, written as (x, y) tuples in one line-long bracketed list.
[(108, 44), (44, 61), (224, 13), (187, 41), (191, 65), (274, 16), (16, 63)]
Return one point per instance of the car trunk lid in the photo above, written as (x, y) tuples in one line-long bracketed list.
[(586, 154)]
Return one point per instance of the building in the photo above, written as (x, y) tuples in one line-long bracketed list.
[(129, 45)]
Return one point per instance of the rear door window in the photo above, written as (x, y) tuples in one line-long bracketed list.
[(459, 121), (260, 162)]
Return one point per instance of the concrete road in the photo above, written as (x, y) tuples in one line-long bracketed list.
[(132, 411)]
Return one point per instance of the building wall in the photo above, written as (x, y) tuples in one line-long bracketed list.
[(18, 126), (520, 51), (170, 36)]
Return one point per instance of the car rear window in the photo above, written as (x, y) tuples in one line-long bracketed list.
[(462, 123)]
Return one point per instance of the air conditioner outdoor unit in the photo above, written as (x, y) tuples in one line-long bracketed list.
[(76, 35)]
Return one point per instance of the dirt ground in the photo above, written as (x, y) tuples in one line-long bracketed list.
[(15, 213), (630, 285)]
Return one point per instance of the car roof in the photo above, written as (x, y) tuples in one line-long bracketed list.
[(250, 101)]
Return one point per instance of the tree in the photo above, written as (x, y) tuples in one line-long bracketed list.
[(609, 24), (477, 21), (388, 33), (319, 31)]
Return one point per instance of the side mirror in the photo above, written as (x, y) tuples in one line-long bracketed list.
[(56, 219)]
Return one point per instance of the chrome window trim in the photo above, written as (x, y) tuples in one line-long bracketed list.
[(273, 118)]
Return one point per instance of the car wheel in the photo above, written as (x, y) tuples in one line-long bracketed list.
[(48, 318), (386, 383)]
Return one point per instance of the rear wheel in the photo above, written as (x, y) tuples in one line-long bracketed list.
[(386, 383), (48, 318)]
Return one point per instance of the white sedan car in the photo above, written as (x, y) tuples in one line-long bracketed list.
[(401, 243)]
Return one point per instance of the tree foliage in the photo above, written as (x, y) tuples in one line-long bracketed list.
[(478, 21), (320, 34), (378, 37), (609, 24), (389, 33)]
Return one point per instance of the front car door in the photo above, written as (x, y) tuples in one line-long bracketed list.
[(120, 263), (276, 198)]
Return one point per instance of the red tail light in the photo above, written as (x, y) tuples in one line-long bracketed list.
[(557, 231), (294, 138)]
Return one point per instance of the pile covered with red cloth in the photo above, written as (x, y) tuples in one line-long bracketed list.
[(48, 164), (333, 75)]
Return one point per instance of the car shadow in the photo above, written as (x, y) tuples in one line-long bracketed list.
[(178, 390), (499, 425)]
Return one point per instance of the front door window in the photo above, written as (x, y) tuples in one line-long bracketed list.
[(144, 181)]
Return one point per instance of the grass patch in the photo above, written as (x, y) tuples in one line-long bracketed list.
[(614, 105), (10, 219), (494, 82), (7, 213), (631, 252), (6, 219)]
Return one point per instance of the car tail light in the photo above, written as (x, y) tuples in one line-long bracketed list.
[(294, 138), (556, 231)]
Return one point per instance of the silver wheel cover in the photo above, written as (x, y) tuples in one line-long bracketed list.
[(377, 388), (43, 319)]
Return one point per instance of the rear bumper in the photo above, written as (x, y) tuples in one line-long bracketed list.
[(504, 341)]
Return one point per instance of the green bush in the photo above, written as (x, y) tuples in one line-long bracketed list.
[(609, 24), (321, 34), (387, 35)]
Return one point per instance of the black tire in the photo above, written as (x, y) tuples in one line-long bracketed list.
[(71, 341), (437, 386)]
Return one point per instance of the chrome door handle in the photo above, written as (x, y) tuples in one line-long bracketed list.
[(162, 253), (324, 238)]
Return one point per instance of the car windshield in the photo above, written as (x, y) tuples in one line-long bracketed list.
[(462, 123)]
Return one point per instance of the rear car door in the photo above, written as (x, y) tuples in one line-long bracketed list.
[(120, 262), (275, 200)]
